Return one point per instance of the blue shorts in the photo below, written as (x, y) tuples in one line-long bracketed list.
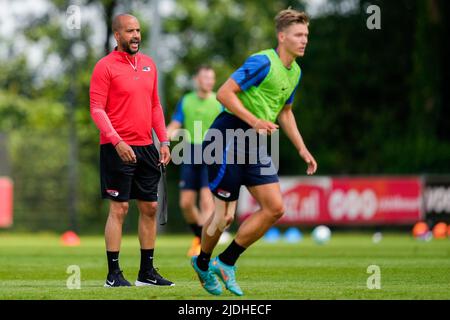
[(193, 176), (226, 173)]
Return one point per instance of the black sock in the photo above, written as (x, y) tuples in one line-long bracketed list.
[(196, 229), (146, 259), (113, 261), (203, 260), (231, 254)]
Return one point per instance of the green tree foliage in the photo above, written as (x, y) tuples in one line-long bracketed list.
[(220, 33), (359, 105), (39, 148)]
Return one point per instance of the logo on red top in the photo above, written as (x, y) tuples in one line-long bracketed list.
[(146, 69)]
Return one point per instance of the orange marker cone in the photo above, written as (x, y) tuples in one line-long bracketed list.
[(440, 231), (70, 239), (420, 229)]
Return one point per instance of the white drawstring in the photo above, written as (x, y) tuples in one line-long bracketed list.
[(135, 62)]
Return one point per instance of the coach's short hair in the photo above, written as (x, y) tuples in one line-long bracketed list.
[(288, 17)]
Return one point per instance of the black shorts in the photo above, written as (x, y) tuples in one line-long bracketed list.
[(121, 181)]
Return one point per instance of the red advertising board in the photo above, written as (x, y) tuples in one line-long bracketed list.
[(6, 202), (375, 200), (346, 201), (304, 200)]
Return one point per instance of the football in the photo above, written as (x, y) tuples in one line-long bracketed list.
[(321, 234)]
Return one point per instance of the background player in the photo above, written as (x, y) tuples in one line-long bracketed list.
[(199, 107)]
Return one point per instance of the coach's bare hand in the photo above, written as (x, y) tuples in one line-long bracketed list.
[(164, 155), (265, 127), (310, 161), (125, 152)]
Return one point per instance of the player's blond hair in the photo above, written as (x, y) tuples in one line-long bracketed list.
[(288, 17)]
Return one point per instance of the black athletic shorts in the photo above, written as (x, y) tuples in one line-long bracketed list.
[(121, 181)]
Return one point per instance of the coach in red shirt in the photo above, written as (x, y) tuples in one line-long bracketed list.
[(125, 106)]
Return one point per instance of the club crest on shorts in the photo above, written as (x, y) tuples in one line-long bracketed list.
[(223, 193), (146, 69), (113, 193)]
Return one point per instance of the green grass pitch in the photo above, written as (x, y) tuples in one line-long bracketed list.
[(34, 267)]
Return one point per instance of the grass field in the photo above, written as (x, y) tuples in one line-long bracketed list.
[(34, 267)]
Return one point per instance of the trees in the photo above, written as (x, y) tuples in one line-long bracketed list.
[(370, 101)]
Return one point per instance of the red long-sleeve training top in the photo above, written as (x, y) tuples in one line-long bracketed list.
[(124, 101)]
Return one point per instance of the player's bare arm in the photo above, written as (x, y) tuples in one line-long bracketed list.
[(227, 96), (172, 129), (288, 124)]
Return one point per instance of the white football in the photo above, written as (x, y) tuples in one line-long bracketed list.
[(321, 234)]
